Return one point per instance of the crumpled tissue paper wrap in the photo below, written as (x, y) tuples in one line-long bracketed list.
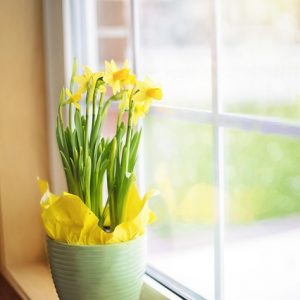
[(67, 219)]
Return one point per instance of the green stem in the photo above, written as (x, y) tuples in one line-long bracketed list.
[(101, 101), (88, 184), (110, 185), (129, 133), (60, 116), (120, 115), (124, 184), (86, 149), (98, 202), (74, 69), (70, 117), (94, 105)]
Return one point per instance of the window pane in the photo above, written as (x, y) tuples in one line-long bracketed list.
[(113, 20), (178, 161), (263, 220), (261, 57), (112, 13), (113, 48), (174, 41)]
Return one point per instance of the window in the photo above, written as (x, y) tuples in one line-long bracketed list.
[(224, 146)]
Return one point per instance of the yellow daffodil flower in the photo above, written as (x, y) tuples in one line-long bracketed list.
[(118, 78), (147, 91), (88, 78), (140, 110), (124, 103), (74, 98), (67, 219)]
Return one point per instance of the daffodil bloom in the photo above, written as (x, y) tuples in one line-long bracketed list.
[(117, 78), (124, 103), (147, 91), (88, 78), (74, 98), (140, 110)]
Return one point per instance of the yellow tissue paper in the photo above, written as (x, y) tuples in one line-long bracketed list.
[(67, 219)]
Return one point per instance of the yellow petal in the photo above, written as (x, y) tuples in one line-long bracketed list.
[(77, 105), (121, 74), (87, 72), (68, 93), (154, 93), (114, 66), (102, 88)]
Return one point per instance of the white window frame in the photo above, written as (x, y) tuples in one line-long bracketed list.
[(218, 120), (85, 12)]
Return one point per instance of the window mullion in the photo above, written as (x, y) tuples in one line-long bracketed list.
[(218, 152), (229, 120), (134, 34), (90, 28)]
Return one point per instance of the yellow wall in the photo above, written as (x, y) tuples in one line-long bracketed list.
[(23, 129)]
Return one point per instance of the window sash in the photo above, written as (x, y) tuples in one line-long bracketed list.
[(219, 120)]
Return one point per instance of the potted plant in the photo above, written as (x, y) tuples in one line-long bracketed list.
[(96, 230)]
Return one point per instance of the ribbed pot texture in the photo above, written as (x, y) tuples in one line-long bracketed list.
[(110, 272)]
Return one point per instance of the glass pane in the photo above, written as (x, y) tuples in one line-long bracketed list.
[(263, 217), (178, 162), (113, 48), (174, 41), (113, 30), (112, 13), (261, 57)]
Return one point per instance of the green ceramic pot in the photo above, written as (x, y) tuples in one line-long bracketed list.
[(102, 272)]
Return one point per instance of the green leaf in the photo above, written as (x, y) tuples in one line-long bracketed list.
[(68, 172), (96, 129), (111, 166), (111, 183), (123, 164), (104, 214), (59, 138), (79, 128), (80, 162), (133, 150), (65, 161), (73, 167), (87, 180), (100, 171), (128, 179), (70, 145), (107, 149), (76, 157), (97, 151)]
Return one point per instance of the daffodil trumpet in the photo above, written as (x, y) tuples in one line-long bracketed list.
[(99, 169)]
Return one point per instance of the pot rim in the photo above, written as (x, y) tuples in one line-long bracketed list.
[(120, 244)]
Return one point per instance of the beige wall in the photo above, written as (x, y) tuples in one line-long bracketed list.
[(23, 130)]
